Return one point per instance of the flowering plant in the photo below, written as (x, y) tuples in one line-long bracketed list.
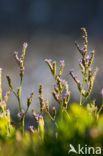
[(69, 124)]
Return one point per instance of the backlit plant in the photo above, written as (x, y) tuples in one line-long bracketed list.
[(70, 125), (85, 65), (20, 61), (6, 129), (60, 93)]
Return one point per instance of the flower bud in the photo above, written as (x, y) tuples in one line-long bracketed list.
[(54, 69), (31, 128), (9, 82), (30, 99), (41, 127), (47, 105), (48, 61), (6, 98), (54, 112), (61, 67)]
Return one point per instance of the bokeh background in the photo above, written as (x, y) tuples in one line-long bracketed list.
[(50, 28)]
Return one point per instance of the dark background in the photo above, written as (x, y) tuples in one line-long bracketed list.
[(50, 27)]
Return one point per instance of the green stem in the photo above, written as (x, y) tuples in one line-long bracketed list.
[(80, 97), (26, 111), (53, 119), (67, 114), (100, 109), (82, 89), (21, 82), (101, 106), (88, 95), (19, 103), (56, 125), (84, 100), (23, 125), (18, 98)]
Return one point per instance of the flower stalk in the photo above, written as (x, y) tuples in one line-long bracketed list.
[(20, 61), (87, 72)]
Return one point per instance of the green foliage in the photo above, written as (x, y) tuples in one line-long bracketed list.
[(78, 127), (6, 129)]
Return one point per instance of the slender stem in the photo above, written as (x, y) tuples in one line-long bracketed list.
[(80, 97), (23, 125), (67, 113), (82, 89), (20, 93), (51, 116), (23, 121), (26, 111), (19, 104), (84, 100), (100, 109), (17, 99), (21, 81), (101, 106), (56, 125), (53, 119)]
